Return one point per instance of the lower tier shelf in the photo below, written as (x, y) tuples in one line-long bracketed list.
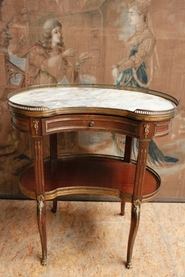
[(90, 175)]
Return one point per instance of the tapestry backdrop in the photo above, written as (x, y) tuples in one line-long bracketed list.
[(137, 43)]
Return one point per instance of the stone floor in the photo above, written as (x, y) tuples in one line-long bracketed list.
[(90, 239)]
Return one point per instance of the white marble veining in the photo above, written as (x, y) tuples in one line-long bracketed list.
[(52, 98)]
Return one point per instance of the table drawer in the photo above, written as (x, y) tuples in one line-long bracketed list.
[(86, 122)]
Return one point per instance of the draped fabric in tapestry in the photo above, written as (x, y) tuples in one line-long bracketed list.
[(137, 43)]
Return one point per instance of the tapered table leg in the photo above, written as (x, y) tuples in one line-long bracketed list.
[(53, 161), (54, 208), (135, 218), (127, 159), (122, 208), (41, 218), (137, 196), (37, 142)]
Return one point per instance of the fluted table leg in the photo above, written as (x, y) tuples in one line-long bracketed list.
[(40, 192)]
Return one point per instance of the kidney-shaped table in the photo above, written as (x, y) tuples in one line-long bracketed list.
[(136, 113)]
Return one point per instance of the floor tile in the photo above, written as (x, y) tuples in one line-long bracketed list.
[(90, 239)]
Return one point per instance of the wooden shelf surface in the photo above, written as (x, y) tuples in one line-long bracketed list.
[(90, 175)]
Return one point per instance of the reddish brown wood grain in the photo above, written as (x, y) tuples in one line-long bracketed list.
[(92, 172)]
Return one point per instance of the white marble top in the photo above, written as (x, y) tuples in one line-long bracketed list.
[(52, 98)]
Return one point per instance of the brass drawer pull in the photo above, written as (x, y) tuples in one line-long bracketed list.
[(91, 124)]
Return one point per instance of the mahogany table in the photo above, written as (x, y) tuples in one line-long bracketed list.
[(135, 113)]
